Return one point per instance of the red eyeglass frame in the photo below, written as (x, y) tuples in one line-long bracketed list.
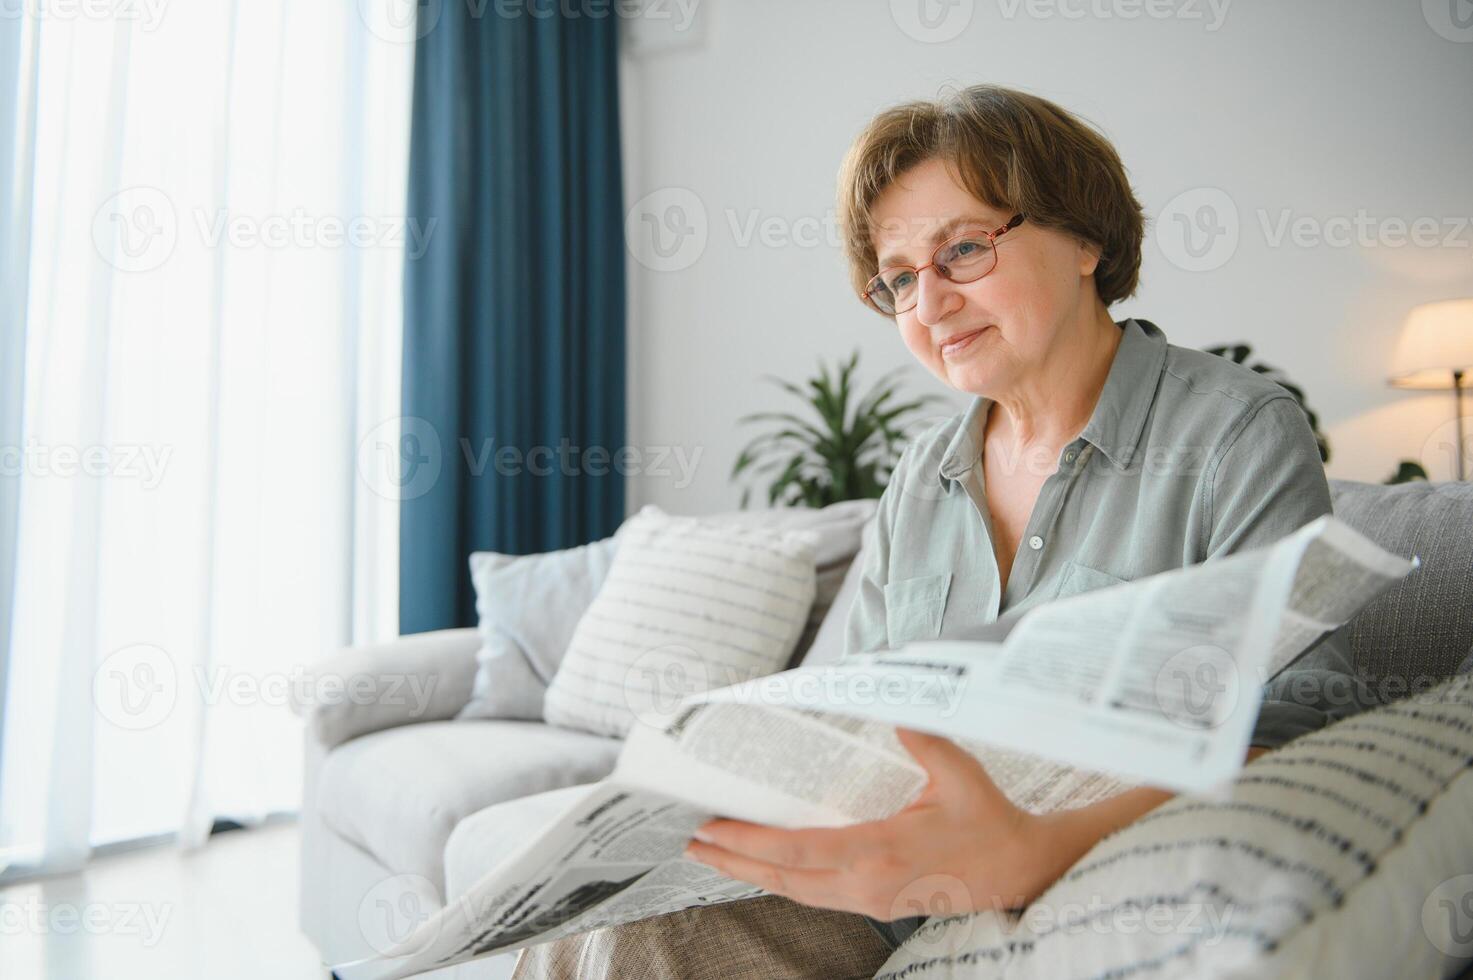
[(991, 236)]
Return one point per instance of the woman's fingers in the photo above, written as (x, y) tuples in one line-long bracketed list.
[(806, 885), (819, 848), (950, 767)]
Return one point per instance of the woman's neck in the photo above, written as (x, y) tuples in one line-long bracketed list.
[(1051, 406)]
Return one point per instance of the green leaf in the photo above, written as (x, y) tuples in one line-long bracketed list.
[(847, 446)]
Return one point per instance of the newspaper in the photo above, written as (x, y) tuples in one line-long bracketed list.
[(1156, 681)]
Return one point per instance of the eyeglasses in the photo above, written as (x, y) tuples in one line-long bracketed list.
[(963, 259)]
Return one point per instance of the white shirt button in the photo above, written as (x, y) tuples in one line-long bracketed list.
[(1035, 542), (1069, 457)]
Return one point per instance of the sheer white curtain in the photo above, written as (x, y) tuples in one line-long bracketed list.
[(210, 331)]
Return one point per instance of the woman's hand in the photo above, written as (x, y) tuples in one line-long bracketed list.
[(961, 826), (961, 831)]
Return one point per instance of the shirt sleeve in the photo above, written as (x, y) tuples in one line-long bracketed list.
[(1268, 482), (1315, 691), (865, 630)]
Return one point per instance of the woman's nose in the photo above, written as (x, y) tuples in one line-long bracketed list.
[(936, 297)]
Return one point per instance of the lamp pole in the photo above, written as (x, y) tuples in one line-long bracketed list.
[(1458, 401)]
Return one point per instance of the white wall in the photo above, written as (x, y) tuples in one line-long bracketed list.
[(1314, 111)]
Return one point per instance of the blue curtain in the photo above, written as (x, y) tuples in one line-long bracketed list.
[(514, 347)]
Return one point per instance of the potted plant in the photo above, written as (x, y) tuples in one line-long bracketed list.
[(840, 451)]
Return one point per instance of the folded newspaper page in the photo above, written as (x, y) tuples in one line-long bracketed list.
[(1156, 681)]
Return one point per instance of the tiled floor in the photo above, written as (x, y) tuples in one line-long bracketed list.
[(226, 911)]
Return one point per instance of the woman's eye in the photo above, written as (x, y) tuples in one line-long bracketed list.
[(901, 281), (969, 247)]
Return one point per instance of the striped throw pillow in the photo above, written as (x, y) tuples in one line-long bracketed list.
[(1346, 853), (687, 606)]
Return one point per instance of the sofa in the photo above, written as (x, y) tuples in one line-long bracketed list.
[(405, 806)]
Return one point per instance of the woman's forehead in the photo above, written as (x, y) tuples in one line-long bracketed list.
[(925, 206)]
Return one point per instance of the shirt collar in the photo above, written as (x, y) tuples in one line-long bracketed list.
[(1119, 416)]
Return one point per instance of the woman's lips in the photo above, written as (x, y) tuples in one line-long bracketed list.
[(959, 345)]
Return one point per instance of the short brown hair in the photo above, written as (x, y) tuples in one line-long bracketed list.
[(1014, 152)]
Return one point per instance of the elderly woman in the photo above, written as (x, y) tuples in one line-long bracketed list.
[(996, 230)]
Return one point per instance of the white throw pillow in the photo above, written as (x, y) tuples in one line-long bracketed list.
[(529, 605), (1346, 853), (840, 529), (688, 605)]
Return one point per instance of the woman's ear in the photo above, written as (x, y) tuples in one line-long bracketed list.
[(1089, 257)]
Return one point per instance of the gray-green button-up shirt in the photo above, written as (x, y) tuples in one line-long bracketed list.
[(1186, 457)]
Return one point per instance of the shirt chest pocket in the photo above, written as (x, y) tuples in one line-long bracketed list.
[(914, 607), (1078, 578)]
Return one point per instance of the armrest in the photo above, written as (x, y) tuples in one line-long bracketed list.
[(357, 690)]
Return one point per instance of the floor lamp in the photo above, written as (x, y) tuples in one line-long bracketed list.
[(1435, 351)]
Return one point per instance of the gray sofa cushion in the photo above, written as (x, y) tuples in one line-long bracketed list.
[(399, 793), (1420, 630), (828, 643)]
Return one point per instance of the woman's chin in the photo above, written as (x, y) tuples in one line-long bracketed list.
[(975, 376)]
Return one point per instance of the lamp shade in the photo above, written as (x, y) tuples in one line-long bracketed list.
[(1436, 340)]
